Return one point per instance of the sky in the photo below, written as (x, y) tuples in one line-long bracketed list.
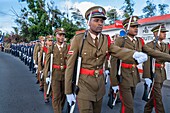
[(9, 8)]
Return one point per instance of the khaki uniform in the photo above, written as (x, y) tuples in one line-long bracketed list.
[(58, 76), (92, 88), (37, 49), (41, 65), (129, 71), (156, 96)]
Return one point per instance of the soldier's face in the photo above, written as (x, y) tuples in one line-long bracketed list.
[(60, 37), (133, 30), (49, 42), (96, 25), (162, 35)]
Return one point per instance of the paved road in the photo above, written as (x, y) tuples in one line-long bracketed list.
[(20, 94)]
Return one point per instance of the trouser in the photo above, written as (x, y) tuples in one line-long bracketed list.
[(38, 75), (87, 106), (45, 88), (41, 82), (127, 98), (58, 96), (155, 100)]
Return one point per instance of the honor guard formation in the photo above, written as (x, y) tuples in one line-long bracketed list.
[(76, 73)]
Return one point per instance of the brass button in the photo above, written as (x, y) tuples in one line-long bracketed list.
[(96, 73), (62, 67)]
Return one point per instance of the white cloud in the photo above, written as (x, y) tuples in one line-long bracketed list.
[(83, 6)]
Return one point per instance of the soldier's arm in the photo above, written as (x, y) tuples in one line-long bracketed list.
[(36, 54), (71, 59), (47, 64), (164, 57), (35, 47), (40, 60), (113, 72), (146, 69), (122, 53)]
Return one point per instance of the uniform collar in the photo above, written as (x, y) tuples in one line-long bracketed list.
[(94, 36), (62, 45), (131, 39), (159, 42)]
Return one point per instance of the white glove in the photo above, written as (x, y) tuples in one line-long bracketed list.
[(148, 82), (107, 72), (115, 88), (35, 66), (70, 99), (47, 80), (140, 57)]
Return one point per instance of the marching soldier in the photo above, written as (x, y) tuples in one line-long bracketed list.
[(96, 46), (36, 55), (156, 96), (42, 62), (129, 71), (59, 50)]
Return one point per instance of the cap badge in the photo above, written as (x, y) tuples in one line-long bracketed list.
[(62, 29), (100, 10), (134, 19)]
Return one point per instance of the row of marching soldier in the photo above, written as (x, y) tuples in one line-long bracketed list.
[(91, 49), (75, 72)]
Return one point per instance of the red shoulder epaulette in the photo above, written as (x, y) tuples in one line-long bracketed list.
[(142, 41), (109, 41), (69, 47), (45, 49)]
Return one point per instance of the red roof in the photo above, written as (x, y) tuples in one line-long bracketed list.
[(154, 19), (118, 23)]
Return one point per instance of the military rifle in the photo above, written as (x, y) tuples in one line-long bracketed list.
[(50, 73), (123, 33), (112, 98), (51, 68)]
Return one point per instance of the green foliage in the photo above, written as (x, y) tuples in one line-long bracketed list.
[(128, 8), (112, 15), (40, 19), (150, 9), (162, 9), (78, 18)]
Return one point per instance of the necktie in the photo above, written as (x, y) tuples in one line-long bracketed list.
[(161, 44), (133, 40), (60, 48), (96, 42)]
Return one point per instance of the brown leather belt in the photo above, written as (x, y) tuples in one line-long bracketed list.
[(88, 72), (124, 65)]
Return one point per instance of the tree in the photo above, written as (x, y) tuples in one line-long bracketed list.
[(128, 8), (41, 18), (149, 9), (78, 18), (162, 8), (112, 15)]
